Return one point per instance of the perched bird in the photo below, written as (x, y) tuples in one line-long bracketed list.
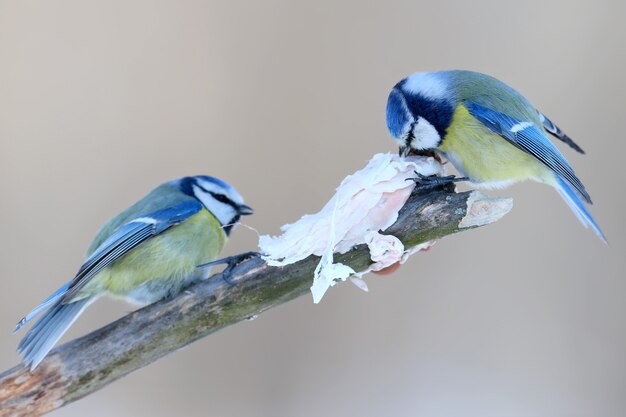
[(487, 130), (149, 251)]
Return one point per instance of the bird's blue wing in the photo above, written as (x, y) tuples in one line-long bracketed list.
[(126, 238), (62, 310), (527, 136)]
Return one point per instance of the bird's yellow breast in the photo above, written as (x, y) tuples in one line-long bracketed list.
[(484, 156), (163, 264)]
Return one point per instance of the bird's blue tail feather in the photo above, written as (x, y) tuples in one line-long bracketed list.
[(578, 206), (44, 334), (55, 297)]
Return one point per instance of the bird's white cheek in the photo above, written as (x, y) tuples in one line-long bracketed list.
[(425, 136)]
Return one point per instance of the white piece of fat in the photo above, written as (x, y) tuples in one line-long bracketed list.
[(365, 203)]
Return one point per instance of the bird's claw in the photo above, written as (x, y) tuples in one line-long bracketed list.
[(428, 182), (232, 262)]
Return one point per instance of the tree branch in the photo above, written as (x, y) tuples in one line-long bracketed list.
[(84, 365)]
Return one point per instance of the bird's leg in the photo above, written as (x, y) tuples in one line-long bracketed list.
[(232, 262), (428, 182)]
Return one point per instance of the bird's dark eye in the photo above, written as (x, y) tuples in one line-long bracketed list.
[(221, 198)]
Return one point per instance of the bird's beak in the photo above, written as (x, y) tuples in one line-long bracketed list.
[(404, 151), (245, 210)]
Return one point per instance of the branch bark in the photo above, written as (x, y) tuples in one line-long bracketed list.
[(84, 365)]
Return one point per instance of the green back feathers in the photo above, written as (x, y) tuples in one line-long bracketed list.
[(160, 198), (492, 93)]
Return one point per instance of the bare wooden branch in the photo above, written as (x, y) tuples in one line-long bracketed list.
[(82, 366)]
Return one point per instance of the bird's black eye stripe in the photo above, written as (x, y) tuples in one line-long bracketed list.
[(221, 198), (410, 135), (218, 196)]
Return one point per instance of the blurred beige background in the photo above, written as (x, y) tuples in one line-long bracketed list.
[(101, 101)]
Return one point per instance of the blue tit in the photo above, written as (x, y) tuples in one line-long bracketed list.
[(149, 251), (487, 130)]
